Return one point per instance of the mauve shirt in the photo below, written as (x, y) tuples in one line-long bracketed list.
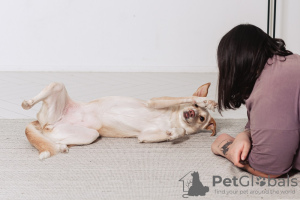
[(274, 117)]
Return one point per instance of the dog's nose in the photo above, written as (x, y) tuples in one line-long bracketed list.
[(192, 113), (186, 114)]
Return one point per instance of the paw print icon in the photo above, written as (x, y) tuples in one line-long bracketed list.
[(260, 181)]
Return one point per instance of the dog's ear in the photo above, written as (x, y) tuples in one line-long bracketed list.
[(202, 90), (212, 126)]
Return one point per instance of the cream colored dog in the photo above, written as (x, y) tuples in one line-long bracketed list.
[(62, 121)]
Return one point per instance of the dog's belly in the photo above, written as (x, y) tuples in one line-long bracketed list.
[(128, 117), (118, 117), (132, 126), (81, 114)]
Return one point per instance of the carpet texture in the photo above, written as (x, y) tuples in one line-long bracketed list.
[(114, 168)]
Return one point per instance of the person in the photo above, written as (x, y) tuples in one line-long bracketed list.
[(258, 71)]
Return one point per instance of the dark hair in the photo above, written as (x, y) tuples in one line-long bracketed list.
[(242, 54)]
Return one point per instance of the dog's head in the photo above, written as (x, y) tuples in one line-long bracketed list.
[(196, 118)]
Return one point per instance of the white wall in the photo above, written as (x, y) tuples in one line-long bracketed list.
[(120, 35), (288, 23)]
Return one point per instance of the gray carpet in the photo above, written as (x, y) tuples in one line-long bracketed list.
[(114, 168)]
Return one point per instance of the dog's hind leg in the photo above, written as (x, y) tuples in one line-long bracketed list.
[(55, 99), (44, 145), (156, 135), (68, 134), (50, 92)]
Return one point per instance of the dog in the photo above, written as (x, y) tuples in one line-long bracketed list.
[(62, 122)]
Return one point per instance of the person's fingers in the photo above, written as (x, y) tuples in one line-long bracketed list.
[(237, 158), (245, 152)]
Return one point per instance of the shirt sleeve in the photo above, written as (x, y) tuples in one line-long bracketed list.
[(247, 127), (273, 151)]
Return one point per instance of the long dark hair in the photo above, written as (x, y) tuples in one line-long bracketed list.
[(242, 54)]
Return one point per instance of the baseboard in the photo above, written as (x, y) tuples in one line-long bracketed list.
[(48, 68)]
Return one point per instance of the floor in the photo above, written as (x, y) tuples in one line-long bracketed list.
[(17, 86)]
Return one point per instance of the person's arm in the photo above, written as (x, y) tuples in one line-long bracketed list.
[(239, 159), (236, 150), (239, 148)]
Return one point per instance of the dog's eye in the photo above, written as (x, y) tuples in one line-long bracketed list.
[(196, 106), (202, 118)]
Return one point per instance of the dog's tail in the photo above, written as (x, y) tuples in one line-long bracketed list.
[(45, 146)]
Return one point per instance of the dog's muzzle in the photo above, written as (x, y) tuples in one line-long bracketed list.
[(188, 114)]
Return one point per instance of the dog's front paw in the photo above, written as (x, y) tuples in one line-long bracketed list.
[(27, 104), (205, 103), (175, 133)]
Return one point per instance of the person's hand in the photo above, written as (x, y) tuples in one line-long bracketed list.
[(239, 149)]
